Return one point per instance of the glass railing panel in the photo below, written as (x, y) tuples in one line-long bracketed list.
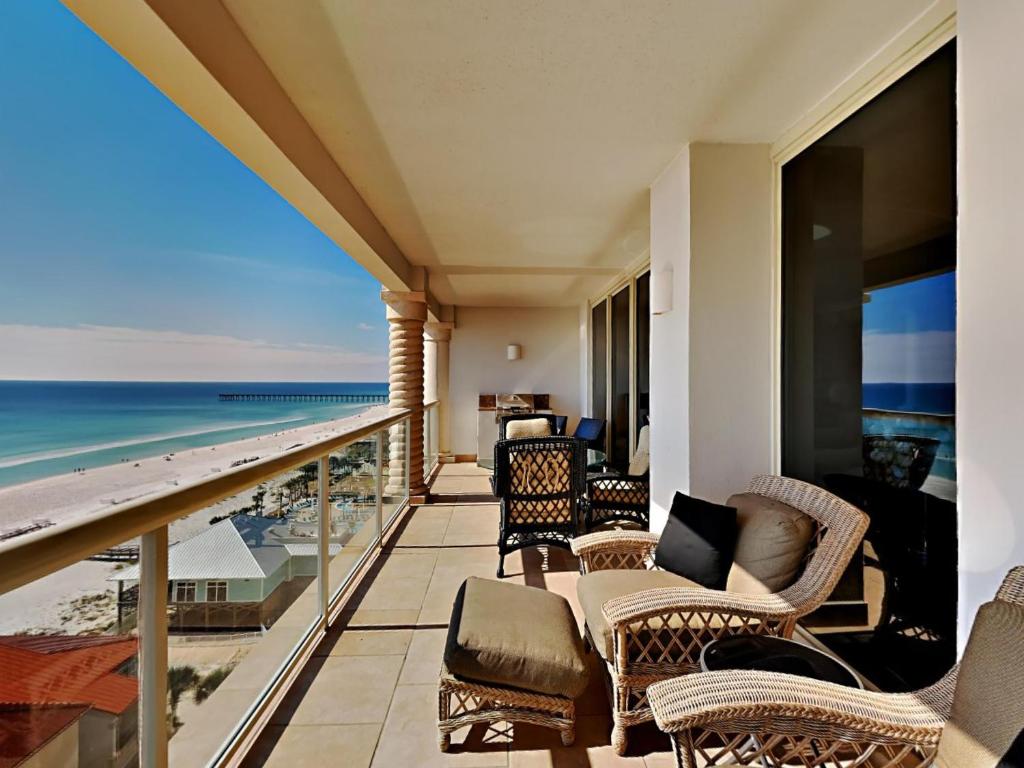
[(395, 467), (355, 524), (242, 596), (426, 443), (69, 679)]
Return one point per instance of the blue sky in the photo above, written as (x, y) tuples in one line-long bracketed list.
[(118, 212)]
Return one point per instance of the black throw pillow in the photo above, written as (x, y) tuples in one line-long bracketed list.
[(698, 541)]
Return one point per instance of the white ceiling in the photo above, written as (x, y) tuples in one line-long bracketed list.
[(508, 146)]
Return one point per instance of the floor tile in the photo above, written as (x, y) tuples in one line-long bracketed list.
[(299, 745), (410, 736), (335, 690), (423, 659), (355, 642)]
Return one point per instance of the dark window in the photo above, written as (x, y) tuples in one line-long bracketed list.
[(599, 367), (216, 591), (869, 333), (643, 349), (184, 592), (619, 426)]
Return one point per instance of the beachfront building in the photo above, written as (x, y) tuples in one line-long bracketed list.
[(68, 701), (782, 235), (241, 574)]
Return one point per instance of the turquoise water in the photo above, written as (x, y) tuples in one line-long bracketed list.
[(50, 428)]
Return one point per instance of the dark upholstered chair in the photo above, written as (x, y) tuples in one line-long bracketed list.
[(592, 432), (548, 417), (539, 482), (612, 497), (561, 423)]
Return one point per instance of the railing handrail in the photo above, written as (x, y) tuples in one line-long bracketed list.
[(40, 553), (431, 404)]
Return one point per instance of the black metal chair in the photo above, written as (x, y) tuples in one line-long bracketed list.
[(539, 482), (551, 419), (612, 497), (561, 423)]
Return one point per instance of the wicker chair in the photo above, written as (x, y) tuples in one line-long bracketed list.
[(539, 483), (771, 719), (614, 498), (658, 634)]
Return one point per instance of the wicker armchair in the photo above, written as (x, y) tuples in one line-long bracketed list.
[(539, 483), (771, 719), (614, 498), (658, 633)]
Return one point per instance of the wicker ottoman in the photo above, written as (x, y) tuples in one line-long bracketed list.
[(514, 654)]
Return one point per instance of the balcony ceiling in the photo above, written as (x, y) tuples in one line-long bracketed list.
[(508, 147)]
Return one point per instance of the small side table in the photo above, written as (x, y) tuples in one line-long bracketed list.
[(764, 653)]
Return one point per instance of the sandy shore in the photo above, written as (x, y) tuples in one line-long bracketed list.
[(73, 496), (79, 598)]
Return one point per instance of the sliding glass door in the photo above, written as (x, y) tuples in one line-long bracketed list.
[(869, 339), (620, 362)]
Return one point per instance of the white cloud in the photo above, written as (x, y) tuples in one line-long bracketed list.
[(364, 326), (912, 358), (108, 352)]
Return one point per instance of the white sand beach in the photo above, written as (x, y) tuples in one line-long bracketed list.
[(79, 598)]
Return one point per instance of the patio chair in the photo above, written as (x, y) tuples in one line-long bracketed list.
[(971, 718), (592, 432), (539, 482), (612, 497), (650, 625), (550, 418)]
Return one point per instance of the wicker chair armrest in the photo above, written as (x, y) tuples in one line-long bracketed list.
[(753, 702), (617, 540), (666, 601), (614, 550), (1012, 588)]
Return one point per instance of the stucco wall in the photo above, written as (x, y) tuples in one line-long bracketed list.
[(990, 411), (730, 317), (670, 332), (550, 362)]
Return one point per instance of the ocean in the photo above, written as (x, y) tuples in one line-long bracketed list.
[(53, 427)]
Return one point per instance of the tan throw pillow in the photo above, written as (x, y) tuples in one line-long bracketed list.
[(771, 545), (641, 461), (528, 428)]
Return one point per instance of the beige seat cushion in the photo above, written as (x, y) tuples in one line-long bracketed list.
[(641, 461), (515, 636), (988, 705), (597, 588), (771, 544), (528, 428)]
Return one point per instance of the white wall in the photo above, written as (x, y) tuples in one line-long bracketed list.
[(730, 317), (990, 367), (670, 355), (550, 362)]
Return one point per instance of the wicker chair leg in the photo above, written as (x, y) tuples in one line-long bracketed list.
[(444, 741), (568, 737), (619, 742), (501, 566)]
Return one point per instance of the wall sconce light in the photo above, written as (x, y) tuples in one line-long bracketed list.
[(661, 291), (514, 351)]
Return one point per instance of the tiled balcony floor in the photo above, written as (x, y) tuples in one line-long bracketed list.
[(369, 697)]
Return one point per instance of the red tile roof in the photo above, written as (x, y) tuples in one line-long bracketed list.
[(24, 730), (68, 671)]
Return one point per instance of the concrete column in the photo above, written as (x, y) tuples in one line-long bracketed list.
[(438, 338), (406, 314)]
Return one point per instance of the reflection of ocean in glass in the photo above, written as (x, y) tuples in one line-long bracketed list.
[(922, 410)]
